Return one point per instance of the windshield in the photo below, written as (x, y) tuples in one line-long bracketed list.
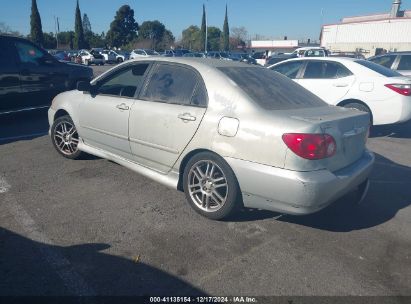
[(271, 90), (378, 68)]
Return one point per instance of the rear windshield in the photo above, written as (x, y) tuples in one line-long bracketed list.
[(271, 90), (378, 68)]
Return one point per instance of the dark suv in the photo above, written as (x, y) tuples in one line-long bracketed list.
[(30, 77)]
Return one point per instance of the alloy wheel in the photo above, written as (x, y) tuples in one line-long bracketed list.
[(66, 138)]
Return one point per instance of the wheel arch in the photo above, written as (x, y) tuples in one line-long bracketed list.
[(353, 100), (60, 113)]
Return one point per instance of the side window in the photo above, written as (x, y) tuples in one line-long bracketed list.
[(405, 63), (289, 69), (7, 59), (386, 61), (124, 83), (28, 53), (325, 70), (171, 84), (200, 95)]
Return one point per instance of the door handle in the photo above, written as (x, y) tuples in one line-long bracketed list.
[(340, 85), (123, 107), (186, 117)]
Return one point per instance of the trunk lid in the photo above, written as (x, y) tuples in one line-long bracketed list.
[(349, 128)]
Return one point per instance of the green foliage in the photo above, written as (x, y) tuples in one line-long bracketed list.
[(225, 39), (156, 32), (123, 29), (86, 24), (192, 39), (50, 41), (36, 31), (79, 40), (203, 29), (214, 38)]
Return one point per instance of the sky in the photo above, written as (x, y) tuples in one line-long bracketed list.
[(274, 19)]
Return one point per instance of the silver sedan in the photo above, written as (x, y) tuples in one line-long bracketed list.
[(227, 134)]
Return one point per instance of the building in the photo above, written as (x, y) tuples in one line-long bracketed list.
[(278, 46), (372, 34)]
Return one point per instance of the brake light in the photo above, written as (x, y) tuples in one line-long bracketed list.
[(311, 146), (403, 89)]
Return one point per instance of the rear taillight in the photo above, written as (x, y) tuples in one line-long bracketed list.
[(311, 146), (403, 89)]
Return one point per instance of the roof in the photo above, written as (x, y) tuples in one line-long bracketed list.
[(195, 62)]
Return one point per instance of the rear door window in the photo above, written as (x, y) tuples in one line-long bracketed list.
[(386, 61), (325, 70), (405, 63), (289, 69), (270, 90), (29, 54), (174, 84)]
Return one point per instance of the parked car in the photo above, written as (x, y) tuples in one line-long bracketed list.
[(30, 77), (109, 56), (195, 54), (225, 133), (62, 56), (356, 55), (243, 57), (168, 53), (310, 52), (260, 57), (121, 56), (398, 61), (353, 83), (219, 55), (277, 58), (143, 53), (91, 57)]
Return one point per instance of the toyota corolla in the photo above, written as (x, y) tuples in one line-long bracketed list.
[(227, 134)]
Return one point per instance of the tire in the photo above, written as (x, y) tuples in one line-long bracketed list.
[(65, 137), (361, 107), (211, 187), (119, 60)]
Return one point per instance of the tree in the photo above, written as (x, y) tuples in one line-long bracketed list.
[(225, 45), (86, 24), (152, 30), (79, 41), (5, 29), (49, 42), (36, 31), (214, 38), (203, 29), (191, 38), (238, 37), (123, 29)]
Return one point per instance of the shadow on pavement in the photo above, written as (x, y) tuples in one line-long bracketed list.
[(23, 126), (24, 271), (397, 131), (390, 191)]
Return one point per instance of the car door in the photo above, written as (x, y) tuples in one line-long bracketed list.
[(166, 116), (41, 76), (11, 98), (404, 65), (329, 80), (104, 113)]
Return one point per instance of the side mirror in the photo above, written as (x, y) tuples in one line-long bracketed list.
[(84, 86)]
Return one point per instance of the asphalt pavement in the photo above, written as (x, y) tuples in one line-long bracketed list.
[(92, 227)]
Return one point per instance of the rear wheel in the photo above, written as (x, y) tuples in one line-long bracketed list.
[(210, 186), (119, 60), (65, 137), (361, 107)]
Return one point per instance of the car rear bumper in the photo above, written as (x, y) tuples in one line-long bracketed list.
[(294, 192), (392, 110)]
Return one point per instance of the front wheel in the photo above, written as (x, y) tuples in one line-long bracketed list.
[(210, 186), (65, 137)]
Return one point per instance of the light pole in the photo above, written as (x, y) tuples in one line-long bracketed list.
[(206, 28)]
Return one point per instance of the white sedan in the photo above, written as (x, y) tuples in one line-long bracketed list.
[(353, 83), (143, 53)]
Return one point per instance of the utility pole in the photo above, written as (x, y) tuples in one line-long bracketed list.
[(57, 29), (206, 33)]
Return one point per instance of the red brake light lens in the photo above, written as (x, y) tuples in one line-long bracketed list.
[(403, 89), (311, 146)]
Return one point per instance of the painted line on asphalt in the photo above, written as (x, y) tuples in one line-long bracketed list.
[(74, 282), (4, 185), (23, 136)]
